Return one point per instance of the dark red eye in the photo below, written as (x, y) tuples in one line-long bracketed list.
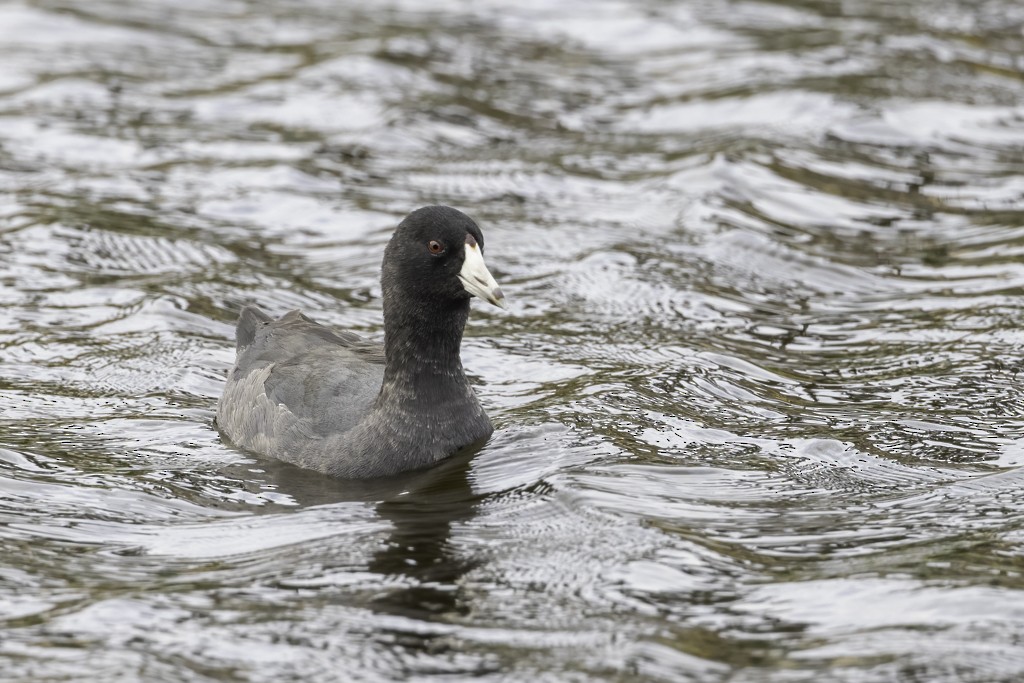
[(435, 247)]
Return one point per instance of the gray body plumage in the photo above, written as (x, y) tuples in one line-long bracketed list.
[(331, 401)]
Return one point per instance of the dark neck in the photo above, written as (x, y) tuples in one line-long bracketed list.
[(421, 343)]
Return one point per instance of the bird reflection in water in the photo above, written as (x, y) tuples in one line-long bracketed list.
[(420, 568)]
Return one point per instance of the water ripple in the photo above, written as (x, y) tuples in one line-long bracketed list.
[(757, 395)]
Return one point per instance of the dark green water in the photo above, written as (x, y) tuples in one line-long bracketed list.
[(758, 392)]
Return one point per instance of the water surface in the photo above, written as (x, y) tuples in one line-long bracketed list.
[(757, 393)]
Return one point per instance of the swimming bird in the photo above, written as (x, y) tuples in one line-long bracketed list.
[(332, 401)]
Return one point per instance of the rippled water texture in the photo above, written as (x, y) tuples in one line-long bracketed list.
[(757, 393)]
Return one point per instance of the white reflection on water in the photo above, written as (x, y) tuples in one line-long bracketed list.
[(757, 394)]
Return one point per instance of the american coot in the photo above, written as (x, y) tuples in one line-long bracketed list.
[(331, 401)]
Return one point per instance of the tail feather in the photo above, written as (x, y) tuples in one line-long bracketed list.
[(249, 321)]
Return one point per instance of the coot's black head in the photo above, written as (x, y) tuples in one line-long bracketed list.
[(435, 257)]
